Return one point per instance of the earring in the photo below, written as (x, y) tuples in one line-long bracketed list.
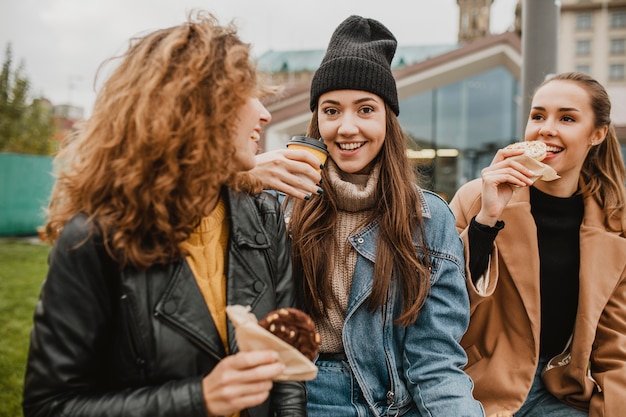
[(593, 143)]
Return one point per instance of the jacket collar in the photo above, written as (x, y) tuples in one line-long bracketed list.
[(182, 304), (364, 242), (246, 225), (519, 249), (246, 231), (602, 261), (602, 256)]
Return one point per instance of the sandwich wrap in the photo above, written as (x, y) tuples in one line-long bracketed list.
[(542, 171)]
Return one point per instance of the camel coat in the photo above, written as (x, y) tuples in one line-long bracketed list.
[(502, 342)]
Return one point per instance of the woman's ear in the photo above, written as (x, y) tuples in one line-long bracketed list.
[(599, 135)]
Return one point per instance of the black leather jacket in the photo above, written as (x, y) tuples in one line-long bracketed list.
[(137, 343)]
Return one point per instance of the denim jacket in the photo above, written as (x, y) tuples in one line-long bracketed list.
[(415, 370)]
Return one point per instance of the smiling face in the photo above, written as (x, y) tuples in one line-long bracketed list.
[(561, 116), (353, 126), (252, 116)]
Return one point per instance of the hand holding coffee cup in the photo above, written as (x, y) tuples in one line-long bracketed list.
[(315, 146)]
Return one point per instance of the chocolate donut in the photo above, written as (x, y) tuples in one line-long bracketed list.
[(294, 327)]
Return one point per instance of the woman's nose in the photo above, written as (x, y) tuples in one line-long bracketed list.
[(347, 126), (264, 115), (547, 129)]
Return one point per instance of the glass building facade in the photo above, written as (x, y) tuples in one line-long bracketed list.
[(457, 129)]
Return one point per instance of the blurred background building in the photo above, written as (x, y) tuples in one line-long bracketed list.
[(461, 102)]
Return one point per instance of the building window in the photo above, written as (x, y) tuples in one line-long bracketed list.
[(583, 48), (586, 69), (458, 128), (618, 20), (583, 21), (618, 46), (616, 72)]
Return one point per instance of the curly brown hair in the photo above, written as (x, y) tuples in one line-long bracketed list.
[(400, 221), (157, 147)]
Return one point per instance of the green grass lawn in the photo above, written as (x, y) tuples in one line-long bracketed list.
[(23, 268)]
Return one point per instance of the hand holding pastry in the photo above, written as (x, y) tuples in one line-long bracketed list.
[(293, 325), (240, 381), (516, 165)]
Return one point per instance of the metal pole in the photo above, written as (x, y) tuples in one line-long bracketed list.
[(540, 31)]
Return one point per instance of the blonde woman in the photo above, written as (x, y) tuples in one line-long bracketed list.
[(547, 264)]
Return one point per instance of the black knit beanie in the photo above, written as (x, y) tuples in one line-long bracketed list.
[(358, 58)]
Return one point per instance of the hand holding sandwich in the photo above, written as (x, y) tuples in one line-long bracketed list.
[(506, 172)]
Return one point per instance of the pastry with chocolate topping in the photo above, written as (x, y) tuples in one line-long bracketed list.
[(294, 327)]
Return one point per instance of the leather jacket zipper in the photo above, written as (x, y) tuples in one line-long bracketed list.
[(133, 335)]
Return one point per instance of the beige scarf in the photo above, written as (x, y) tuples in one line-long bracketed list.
[(356, 200)]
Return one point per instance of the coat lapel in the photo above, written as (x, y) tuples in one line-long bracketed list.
[(182, 303), (517, 240), (602, 259), (602, 262), (183, 306), (243, 285)]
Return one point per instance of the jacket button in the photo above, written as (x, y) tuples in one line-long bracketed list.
[(260, 238), (258, 286), (169, 307), (360, 240)]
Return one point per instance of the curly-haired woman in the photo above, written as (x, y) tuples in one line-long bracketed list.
[(156, 228)]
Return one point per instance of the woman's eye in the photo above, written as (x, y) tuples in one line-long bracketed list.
[(330, 111), (568, 119), (366, 110)]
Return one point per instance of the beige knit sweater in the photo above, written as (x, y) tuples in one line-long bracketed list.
[(356, 202)]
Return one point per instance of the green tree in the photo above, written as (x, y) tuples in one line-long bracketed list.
[(26, 125)]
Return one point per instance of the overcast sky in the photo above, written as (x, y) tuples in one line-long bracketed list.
[(62, 42)]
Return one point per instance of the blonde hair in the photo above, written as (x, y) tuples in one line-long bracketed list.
[(158, 145), (603, 174)]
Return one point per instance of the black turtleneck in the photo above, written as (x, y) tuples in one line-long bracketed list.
[(558, 230)]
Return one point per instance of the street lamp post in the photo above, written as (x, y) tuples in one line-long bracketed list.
[(540, 31)]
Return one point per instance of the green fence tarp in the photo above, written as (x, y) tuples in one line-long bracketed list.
[(25, 185)]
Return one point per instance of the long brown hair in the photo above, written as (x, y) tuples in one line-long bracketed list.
[(603, 174), (157, 147), (398, 212)]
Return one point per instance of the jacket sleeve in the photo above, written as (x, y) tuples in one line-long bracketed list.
[(70, 343), (465, 205), (288, 399), (434, 355)]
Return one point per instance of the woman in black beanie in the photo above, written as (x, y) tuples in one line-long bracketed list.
[(378, 260)]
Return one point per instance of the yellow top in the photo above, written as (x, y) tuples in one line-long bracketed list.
[(207, 247)]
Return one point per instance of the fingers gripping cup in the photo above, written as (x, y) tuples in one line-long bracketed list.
[(315, 146)]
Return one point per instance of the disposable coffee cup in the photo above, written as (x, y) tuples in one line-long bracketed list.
[(315, 146)]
